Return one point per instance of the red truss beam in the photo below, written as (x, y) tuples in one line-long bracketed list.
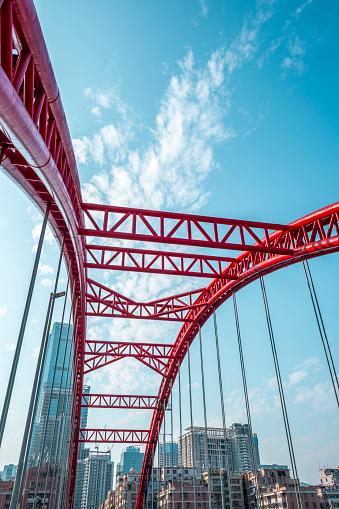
[(114, 436), (102, 301), (119, 401), (155, 262), (182, 229), (102, 353)]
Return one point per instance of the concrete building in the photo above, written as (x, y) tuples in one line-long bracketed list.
[(171, 454), (8, 472), (329, 476), (238, 448), (98, 479), (130, 457), (6, 489), (241, 453), (126, 489), (219, 488), (178, 488)]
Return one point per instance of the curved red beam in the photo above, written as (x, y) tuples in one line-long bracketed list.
[(218, 291)]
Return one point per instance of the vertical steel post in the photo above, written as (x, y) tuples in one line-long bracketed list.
[(21, 469), (191, 418), (180, 426), (23, 327)]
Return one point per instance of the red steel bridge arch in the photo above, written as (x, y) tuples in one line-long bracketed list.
[(36, 152)]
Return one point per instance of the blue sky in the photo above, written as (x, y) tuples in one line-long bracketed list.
[(222, 108)]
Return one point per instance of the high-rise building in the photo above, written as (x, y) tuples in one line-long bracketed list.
[(241, 450), (52, 418), (98, 479), (193, 444), (130, 457), (83, 453), (8, 472), (171, 454)]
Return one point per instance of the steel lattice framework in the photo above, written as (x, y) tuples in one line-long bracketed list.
[(36, 151)]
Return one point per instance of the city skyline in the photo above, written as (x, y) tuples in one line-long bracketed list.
[(219, 108)]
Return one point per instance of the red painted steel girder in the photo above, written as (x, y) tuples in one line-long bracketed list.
[(114, 436), (36, 150), (105, 302), (102, 353), (313, 235), (156, 262), (119, 401), (181, 229)]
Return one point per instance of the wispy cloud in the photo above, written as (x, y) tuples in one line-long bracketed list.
[(3, 309), (46, 282), (45, 269)]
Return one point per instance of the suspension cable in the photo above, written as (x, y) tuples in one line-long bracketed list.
[(164, 447), (66, 445), (180, 428), (68, 383), (248, 411), (191, 419), (322, 330), (207, 461), (281, 395), (59, 397), (159, 471), (222, 404), (172, 439), (60, 411), (45, 430)]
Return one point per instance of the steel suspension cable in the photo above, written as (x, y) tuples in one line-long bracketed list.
[(65, 450), (159, 470), (180, 428), (222, 404), (45, 431), (17, 352), (60, 411), (58, 395), (164, 445), (281, 395), (207, 461), (191, 420), (322, 330), (34, 400), (248, 411), (172, 440), (221, 478)]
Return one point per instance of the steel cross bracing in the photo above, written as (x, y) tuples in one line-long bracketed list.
[(102, 353), (105, 302), (155, 262), (119, 401), (114, 436), (181, 229)]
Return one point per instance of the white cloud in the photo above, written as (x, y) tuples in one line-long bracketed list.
[(296, 377), (45, 269), (320, 396), (46, 282), (3, 309), (302, 7), (96, 111), (49, 238), (10, 346), (204, 8), (294, 62)]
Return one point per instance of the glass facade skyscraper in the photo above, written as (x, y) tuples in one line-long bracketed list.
[(54, 396), (130, 457)]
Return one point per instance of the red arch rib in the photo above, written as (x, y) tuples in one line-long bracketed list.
[(313, 235)]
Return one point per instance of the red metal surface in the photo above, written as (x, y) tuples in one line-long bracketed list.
[(155, 262), (102, 353), (105, 302), (119, 401), (114, 436), (36, 151), (182, 229)]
